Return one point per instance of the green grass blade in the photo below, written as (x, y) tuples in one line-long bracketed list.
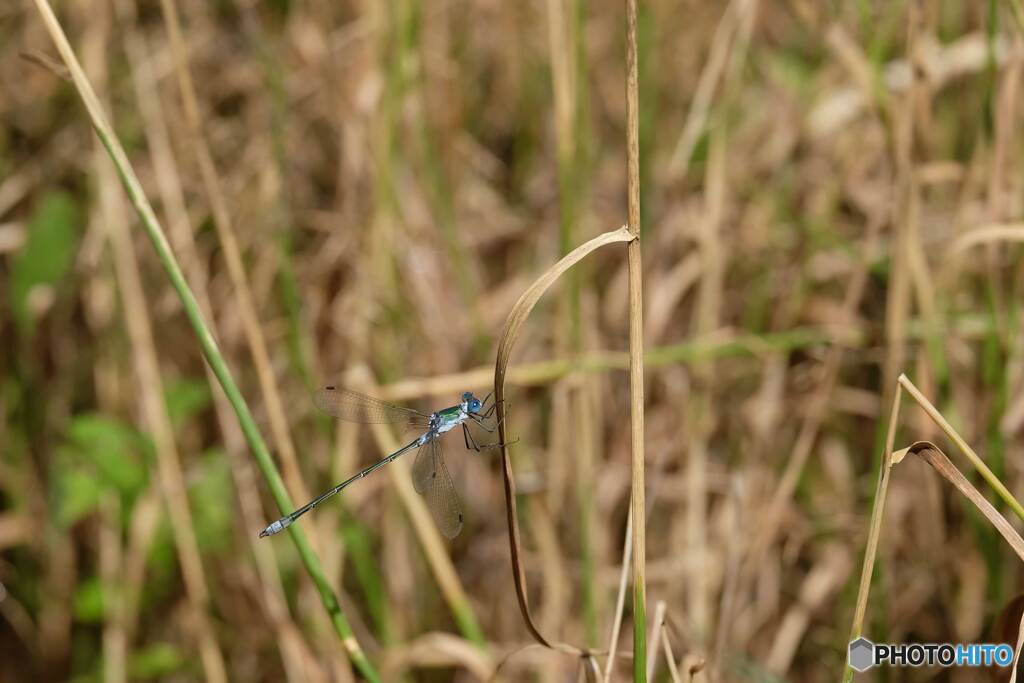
[(206, 341)]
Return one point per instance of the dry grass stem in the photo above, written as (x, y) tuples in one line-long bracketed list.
[(226, 234), (1018, 650), (941, 464), (654, 638), (670, 658), (430, 540), (724, 47), (437, 650), (636, 346), (151, 393), (875, 527), (389, 195), (955, 437), (620, 599)]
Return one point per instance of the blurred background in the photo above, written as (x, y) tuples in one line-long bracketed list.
[(359, 191)]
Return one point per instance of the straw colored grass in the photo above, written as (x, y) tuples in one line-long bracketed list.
[(830, 205)]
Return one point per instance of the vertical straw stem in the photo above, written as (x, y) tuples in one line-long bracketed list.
[(172, 195), (875, 528), (203, 333), (169, 469), (226, 235), (636, 346)]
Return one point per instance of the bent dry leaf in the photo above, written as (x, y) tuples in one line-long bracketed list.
[(931, 454), (509, 335)]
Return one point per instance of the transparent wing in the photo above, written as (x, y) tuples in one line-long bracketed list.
[(431, 478), (423, 469), (356, 407)]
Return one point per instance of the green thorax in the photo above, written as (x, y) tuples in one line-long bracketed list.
[(450, 414)]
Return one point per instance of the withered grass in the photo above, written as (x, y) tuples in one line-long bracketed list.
[(395, 194)]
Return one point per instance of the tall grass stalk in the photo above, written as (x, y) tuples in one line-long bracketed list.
[(568, 82), (172, 197), (228, 239), (875, 528), (430, 540), (170, 474), (636, 349), (205, 337)]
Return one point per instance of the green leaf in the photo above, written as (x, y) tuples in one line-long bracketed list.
[(78, 494), (212, 507), (113, 449), (48, 253), (88, 601), (155, 661), (185, 398)]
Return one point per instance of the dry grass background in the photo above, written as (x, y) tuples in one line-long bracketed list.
[(829, 199)]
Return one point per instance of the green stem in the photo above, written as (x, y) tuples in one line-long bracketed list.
[(206, 341), (639, 635), (245, 419)]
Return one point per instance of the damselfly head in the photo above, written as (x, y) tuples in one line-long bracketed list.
[(470, 402)]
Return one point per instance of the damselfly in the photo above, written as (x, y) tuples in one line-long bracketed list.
[(429, 474)]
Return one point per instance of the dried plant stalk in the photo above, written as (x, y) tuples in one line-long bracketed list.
[(169, 469), (670, 658), (636, 349), (620, 600), (1019, 649), (657, 627), (955, 437), (430, 540), (931, 454), (875, 528), (436, 650), (985, 234), (226, 234)]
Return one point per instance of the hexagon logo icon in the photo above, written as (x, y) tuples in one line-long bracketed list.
[(862, 654)]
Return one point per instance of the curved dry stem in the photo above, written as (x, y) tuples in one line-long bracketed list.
[(436, 650), (934, 456), (986, 234), (509, 335)]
